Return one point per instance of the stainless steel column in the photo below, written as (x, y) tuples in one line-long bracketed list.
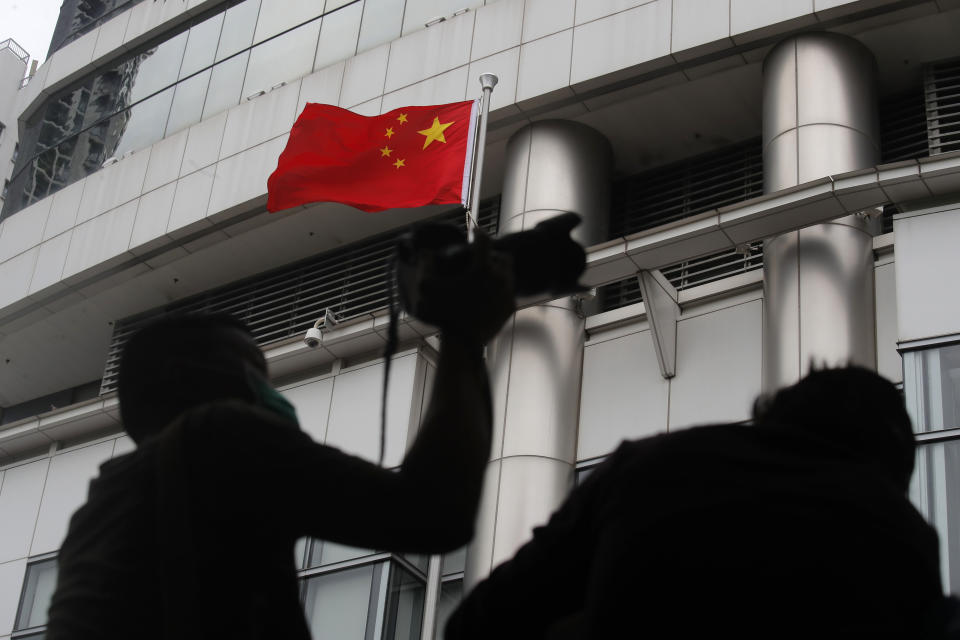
[(819, 118), (551, 166)]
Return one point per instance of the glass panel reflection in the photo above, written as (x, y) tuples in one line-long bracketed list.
[(226, 81), (157, 68), (38, 588), (239, 22), (201, 45), (935, 490), (338, 35), (405, 608), (284, 58), (451, 593), (338, 605), (187, 107), (142, 125)]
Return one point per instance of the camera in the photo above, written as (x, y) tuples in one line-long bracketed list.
[(312, 339), (544, 259)]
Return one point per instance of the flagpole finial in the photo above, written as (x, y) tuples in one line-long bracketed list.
[(488, 81)]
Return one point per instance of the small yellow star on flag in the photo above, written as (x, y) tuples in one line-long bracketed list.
[(389, 132), (386, 151), (402, 118), (399, 163), (435, 132)]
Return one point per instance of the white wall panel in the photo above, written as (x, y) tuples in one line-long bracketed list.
[(153, 214), (446, 87), (718, 366), (243, 176), (544, 65), (24, 230), (697, 22), (203, 144), (363, 76), (71, 58), (104, 237), (165, 159), (191, 199), (50, 260), (11, 584), (66, 489), (322, 87), (110, 34), (355, 410), (505, 65), (588, 10), (19, 505), (497, 27), (15, 275), (747, 15), (889, 362), (623, 395), (544, 17), (97, 194), (927, 268), (148, 15), (127, 178), (63, 209), (280, 15), (312, 401), (428, 52), (260, 119), (620, 41)]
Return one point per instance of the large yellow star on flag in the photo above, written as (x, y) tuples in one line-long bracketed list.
[(435, 132)]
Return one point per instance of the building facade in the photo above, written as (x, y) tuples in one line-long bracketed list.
[(763, 185)]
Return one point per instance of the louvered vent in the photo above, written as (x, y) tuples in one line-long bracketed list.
[(350, 282), (942, 98), (686, 188)]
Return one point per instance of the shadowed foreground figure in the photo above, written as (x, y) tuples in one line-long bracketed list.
[(796, 527), (192, 534)]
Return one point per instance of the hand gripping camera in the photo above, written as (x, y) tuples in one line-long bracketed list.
[(544, 259)]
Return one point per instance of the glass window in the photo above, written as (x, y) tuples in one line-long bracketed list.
[(63, 117), (300, 553), (338, 605), (201, 45), (144, 123), (38, 586), (935, 490), (338, 35), (324, 552), (404, 605), (284, 58), (187, 107), (276, 16), (382, 21), (239, 21), (453, 562), (451, 593), (932, 387), (226, 81), (156, 68)]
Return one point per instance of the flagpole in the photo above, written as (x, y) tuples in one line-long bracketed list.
[(487, 82)]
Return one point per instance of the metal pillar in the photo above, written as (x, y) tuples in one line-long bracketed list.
[(819, 118), (552, 166)]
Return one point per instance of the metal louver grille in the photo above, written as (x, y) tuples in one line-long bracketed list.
[(350, 282), (942, 101), (686, 188)]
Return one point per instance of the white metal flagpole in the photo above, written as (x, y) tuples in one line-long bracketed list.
[(487, 81)]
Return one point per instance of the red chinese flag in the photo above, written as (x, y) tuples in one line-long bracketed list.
[(409, 157)]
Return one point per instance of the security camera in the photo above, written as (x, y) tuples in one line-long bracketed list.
[(312, 339)]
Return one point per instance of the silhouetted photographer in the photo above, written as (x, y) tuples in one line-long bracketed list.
[(797, 526), (191, 535)]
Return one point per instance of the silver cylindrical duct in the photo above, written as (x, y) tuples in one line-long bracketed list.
[(819, 118), (552, 166)]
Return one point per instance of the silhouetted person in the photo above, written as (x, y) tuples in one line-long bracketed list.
[(798, 526), (191, 535)]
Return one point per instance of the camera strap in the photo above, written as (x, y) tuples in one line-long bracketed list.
[(389, 349)]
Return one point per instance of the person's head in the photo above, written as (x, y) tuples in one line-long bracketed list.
[(181, 362), (853, 407)]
